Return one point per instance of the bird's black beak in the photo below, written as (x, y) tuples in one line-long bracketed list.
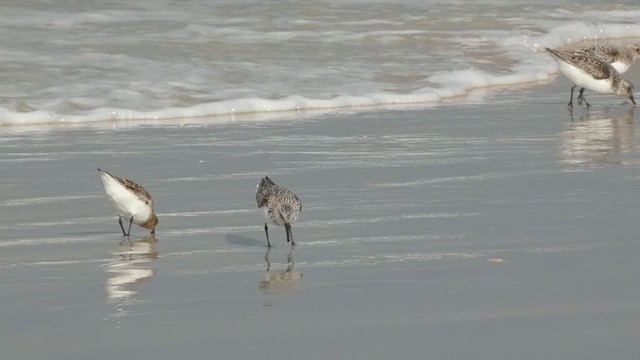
[(632, 100)]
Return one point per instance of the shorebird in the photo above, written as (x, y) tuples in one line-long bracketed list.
[(620, 57), (281, 206), (591, 73), (130, 201)]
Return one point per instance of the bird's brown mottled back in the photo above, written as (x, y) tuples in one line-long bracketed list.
[(141, 192)]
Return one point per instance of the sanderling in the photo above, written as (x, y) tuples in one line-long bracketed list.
[(620, 57), (281, 206), (591, 73), (131, 202)]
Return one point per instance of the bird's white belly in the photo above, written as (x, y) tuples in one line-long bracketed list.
[(126, 203), (583, 79)]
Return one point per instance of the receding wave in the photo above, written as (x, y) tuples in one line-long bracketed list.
[(520, 60)]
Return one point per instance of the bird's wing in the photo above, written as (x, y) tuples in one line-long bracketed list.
[(591, 65), (137, 189), (605, 53)]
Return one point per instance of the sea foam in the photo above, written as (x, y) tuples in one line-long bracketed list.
[(194, 67)]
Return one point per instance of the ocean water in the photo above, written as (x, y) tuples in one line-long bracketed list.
[(402, 209), (90, 61), (404, 205)]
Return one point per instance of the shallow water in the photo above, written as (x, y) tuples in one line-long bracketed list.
[(402, 210), (110, 60)]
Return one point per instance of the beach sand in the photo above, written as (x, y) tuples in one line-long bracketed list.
[(402, 210)]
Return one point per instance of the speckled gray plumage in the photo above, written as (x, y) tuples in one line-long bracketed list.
[(281, 206), (612, 54)]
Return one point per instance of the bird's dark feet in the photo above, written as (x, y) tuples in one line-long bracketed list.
[(287, 227), (124, 233), (570, 104), (581, 98)]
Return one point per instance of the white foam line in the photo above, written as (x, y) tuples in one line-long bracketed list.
[(210, 230), (357, 240), (53, 263), (388, 258), (230, 176), (51, 241), (401, 257), (368, 163), (343, 262), (450, 179), (23, 160), (227, 269), (458, 179), (201, 252), (88, 220), (369, 220), (49, 199), (351, 206), (108, 262), (201, 213)]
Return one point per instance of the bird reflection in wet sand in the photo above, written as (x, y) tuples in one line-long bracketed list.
[(282, 281), (598, 139), (131, 266)]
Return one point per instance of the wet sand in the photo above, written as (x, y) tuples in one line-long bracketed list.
[(402, 209)]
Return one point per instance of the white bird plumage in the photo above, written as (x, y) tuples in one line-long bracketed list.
[(132, 202)]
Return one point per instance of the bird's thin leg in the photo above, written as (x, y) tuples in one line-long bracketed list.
[(130, 222), (582, 98), (289, 234), (570, 104), (266, 231), (266, 258), (121, 227)]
